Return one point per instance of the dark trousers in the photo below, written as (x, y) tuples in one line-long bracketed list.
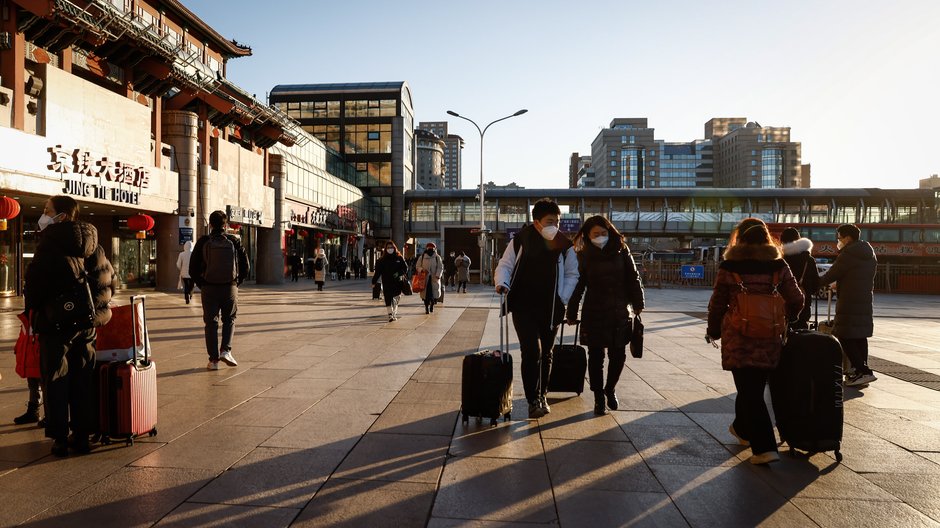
[(188, 285), (535, 344), (68, 377), (219, 301), (857, 352), (751, 419), (462, 284), (295, 274), (616, 357), (429, 300)]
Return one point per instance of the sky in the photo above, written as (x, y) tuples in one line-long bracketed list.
[(857, 81)]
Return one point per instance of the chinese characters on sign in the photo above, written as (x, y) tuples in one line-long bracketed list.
[(117, 181), (343, 218), (241, 215)]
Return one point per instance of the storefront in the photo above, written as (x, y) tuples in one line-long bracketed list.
[(244, 224)]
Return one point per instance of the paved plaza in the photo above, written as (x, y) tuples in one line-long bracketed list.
[(336, 417)]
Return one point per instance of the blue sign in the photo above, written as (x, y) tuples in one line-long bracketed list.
[(569, 225), (186, 235), (692, 272)]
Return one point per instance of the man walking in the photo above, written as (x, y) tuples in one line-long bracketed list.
[(854, 270), (219, 265), (539, 271)]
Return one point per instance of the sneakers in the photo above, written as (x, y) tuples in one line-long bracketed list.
[(859, 379), (544, 403), (227, 358), (391, 318), (213, 365), (535, 410), (764, 458), (741, 440)]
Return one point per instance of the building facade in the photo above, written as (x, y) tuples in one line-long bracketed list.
[(429, 163), (453, 153), (578, 166), (734, 153), (370, 125), (933, 182)]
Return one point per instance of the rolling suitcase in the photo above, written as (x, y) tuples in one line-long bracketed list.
[(486, 383), (569, 364), (128, 391), (806, 390)]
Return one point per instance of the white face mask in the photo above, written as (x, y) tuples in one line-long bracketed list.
[(600, 241), (549, 232), (45, 221), (839, 245), (451, 254), (390, 251)]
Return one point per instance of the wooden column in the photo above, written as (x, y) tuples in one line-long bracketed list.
[(65, 60)]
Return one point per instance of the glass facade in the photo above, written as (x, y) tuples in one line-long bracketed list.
[(631, 168), (771, 168), (685, 164)]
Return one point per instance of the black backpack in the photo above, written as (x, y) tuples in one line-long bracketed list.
[(220, 260), (318, 264)]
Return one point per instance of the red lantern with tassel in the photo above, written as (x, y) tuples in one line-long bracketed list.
[(141, 223), (9, 209)]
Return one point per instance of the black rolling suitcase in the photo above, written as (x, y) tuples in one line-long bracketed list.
[(486, 385), (806, 389), (569, 364)]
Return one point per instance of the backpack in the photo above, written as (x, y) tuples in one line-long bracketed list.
[(221, 265), (318, 264), (759, 315)]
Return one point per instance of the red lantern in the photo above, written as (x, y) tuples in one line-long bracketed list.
[(140, 223), (289, 232), (9, 208), (319, 236), (303, 233), (235, 227)]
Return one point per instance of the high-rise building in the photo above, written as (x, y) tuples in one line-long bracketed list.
[(933, 182), (453, 152), (371, 125), (577, 169), (734, 153), (429, 163)]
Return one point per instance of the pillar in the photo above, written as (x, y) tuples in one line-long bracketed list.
[(270, 260), (13, 64), (179, 129)]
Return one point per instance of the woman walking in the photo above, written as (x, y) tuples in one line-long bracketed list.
[(463, 271), (609, 274), (753, 266), (319, 269), (182, 264), (431, 262), (797, 251), (391, 269)]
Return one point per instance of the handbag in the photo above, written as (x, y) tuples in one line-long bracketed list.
[(419, 281), (27, 349), (636, 340), (74, 309), (406, 287)]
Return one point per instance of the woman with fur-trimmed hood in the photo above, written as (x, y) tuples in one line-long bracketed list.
[(754, 257), (797, 251)]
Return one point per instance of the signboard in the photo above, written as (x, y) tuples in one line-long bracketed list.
[(315, 216), (692, 272), (88, 176), (241, 215), (569, 225), (186, 229)]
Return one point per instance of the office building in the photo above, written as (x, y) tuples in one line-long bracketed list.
[(453, 152), (429, 164), (933, 182), (577, 170), (747, 154)]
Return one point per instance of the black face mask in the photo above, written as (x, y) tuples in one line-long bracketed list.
[(431, 251)]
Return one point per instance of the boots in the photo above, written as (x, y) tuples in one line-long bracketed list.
[(600, 407), (612, 401), (30, 416)]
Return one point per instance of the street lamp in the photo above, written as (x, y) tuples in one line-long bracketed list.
[(482, 188)]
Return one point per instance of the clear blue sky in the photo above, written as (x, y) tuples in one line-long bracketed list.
[(856, 80)]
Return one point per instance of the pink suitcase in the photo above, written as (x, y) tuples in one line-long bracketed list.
[(128, 391)]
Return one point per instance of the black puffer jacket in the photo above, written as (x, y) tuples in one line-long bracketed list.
[(612, 282), (854, 270), (392, 269), (64, 249), (803, 266)]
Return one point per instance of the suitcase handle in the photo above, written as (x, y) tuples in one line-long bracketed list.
[(503, 327), (577, 328), (146, 336)]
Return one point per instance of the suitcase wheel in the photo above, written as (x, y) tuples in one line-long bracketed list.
[(96, 438), (838, 456), (130, 441), (106, 440), (153, 432)]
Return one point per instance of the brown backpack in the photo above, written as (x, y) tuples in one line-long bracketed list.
[(759, 315)]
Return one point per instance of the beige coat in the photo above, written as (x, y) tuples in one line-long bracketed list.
[(435, 267)]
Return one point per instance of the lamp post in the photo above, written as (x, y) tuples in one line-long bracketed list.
[(482, 188)]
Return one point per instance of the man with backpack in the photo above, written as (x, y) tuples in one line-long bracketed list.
[(219, 265)]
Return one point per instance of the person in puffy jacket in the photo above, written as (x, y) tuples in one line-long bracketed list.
[(431, 262), (462, 264), (752, 261), (391, 269), (608, 273), (797, 251), (68, 254)]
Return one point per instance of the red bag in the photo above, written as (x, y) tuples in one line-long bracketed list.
[(27, 350), (115, 341), (759, 315), (419, 281)]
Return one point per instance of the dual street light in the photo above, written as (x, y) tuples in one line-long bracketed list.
[(482, 188)]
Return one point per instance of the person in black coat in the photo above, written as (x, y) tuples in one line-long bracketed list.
[(797, 252), (608, 273), (68, 249), (392, 270)]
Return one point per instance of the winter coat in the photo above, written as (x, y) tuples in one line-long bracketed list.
[(391, 269), (64, 250), (756, 265), (319, 275), (197, 264), (566, 272), (463, 268), (798, 255), (612, 282), (182, 261), (435, 267), (450, 266), (854, 270)]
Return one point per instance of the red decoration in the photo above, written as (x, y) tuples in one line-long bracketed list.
[(235, 227), (289, 232), (9, 209), (319, 235), (303, 233), (140, 222)]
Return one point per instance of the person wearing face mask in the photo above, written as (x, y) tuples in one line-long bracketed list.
[(538, 271), (319, 268), (431, 262), (462, 263), (854, 270), (67, 256), (450, 273), (391, 269), (608, 273)]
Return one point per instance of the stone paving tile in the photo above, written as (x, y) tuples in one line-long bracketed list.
[(516, 439), (255, 377), (864, 452), (440, 522), (266, 412), (419, 392), (699, 401), (274, 477), (592, 508), (726, 496), (387, 378), (608, 466), (211, 446), (496, 490), (918, 491), (338, 420), (431, 418), (653, 404), (128, 497), (717, 425), (296, 362), (899, 431), (855, 513), (180, 417), (226, 515), (396, 458), (303, 388), (672, 445), (368, 504)]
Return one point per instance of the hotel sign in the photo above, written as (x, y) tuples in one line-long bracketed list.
[(241, 215), (99, 177), (343, 218)]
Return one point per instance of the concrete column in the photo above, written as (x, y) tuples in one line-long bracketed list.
[(179, 129), (270, 260), (13, 66), (167, 231)]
